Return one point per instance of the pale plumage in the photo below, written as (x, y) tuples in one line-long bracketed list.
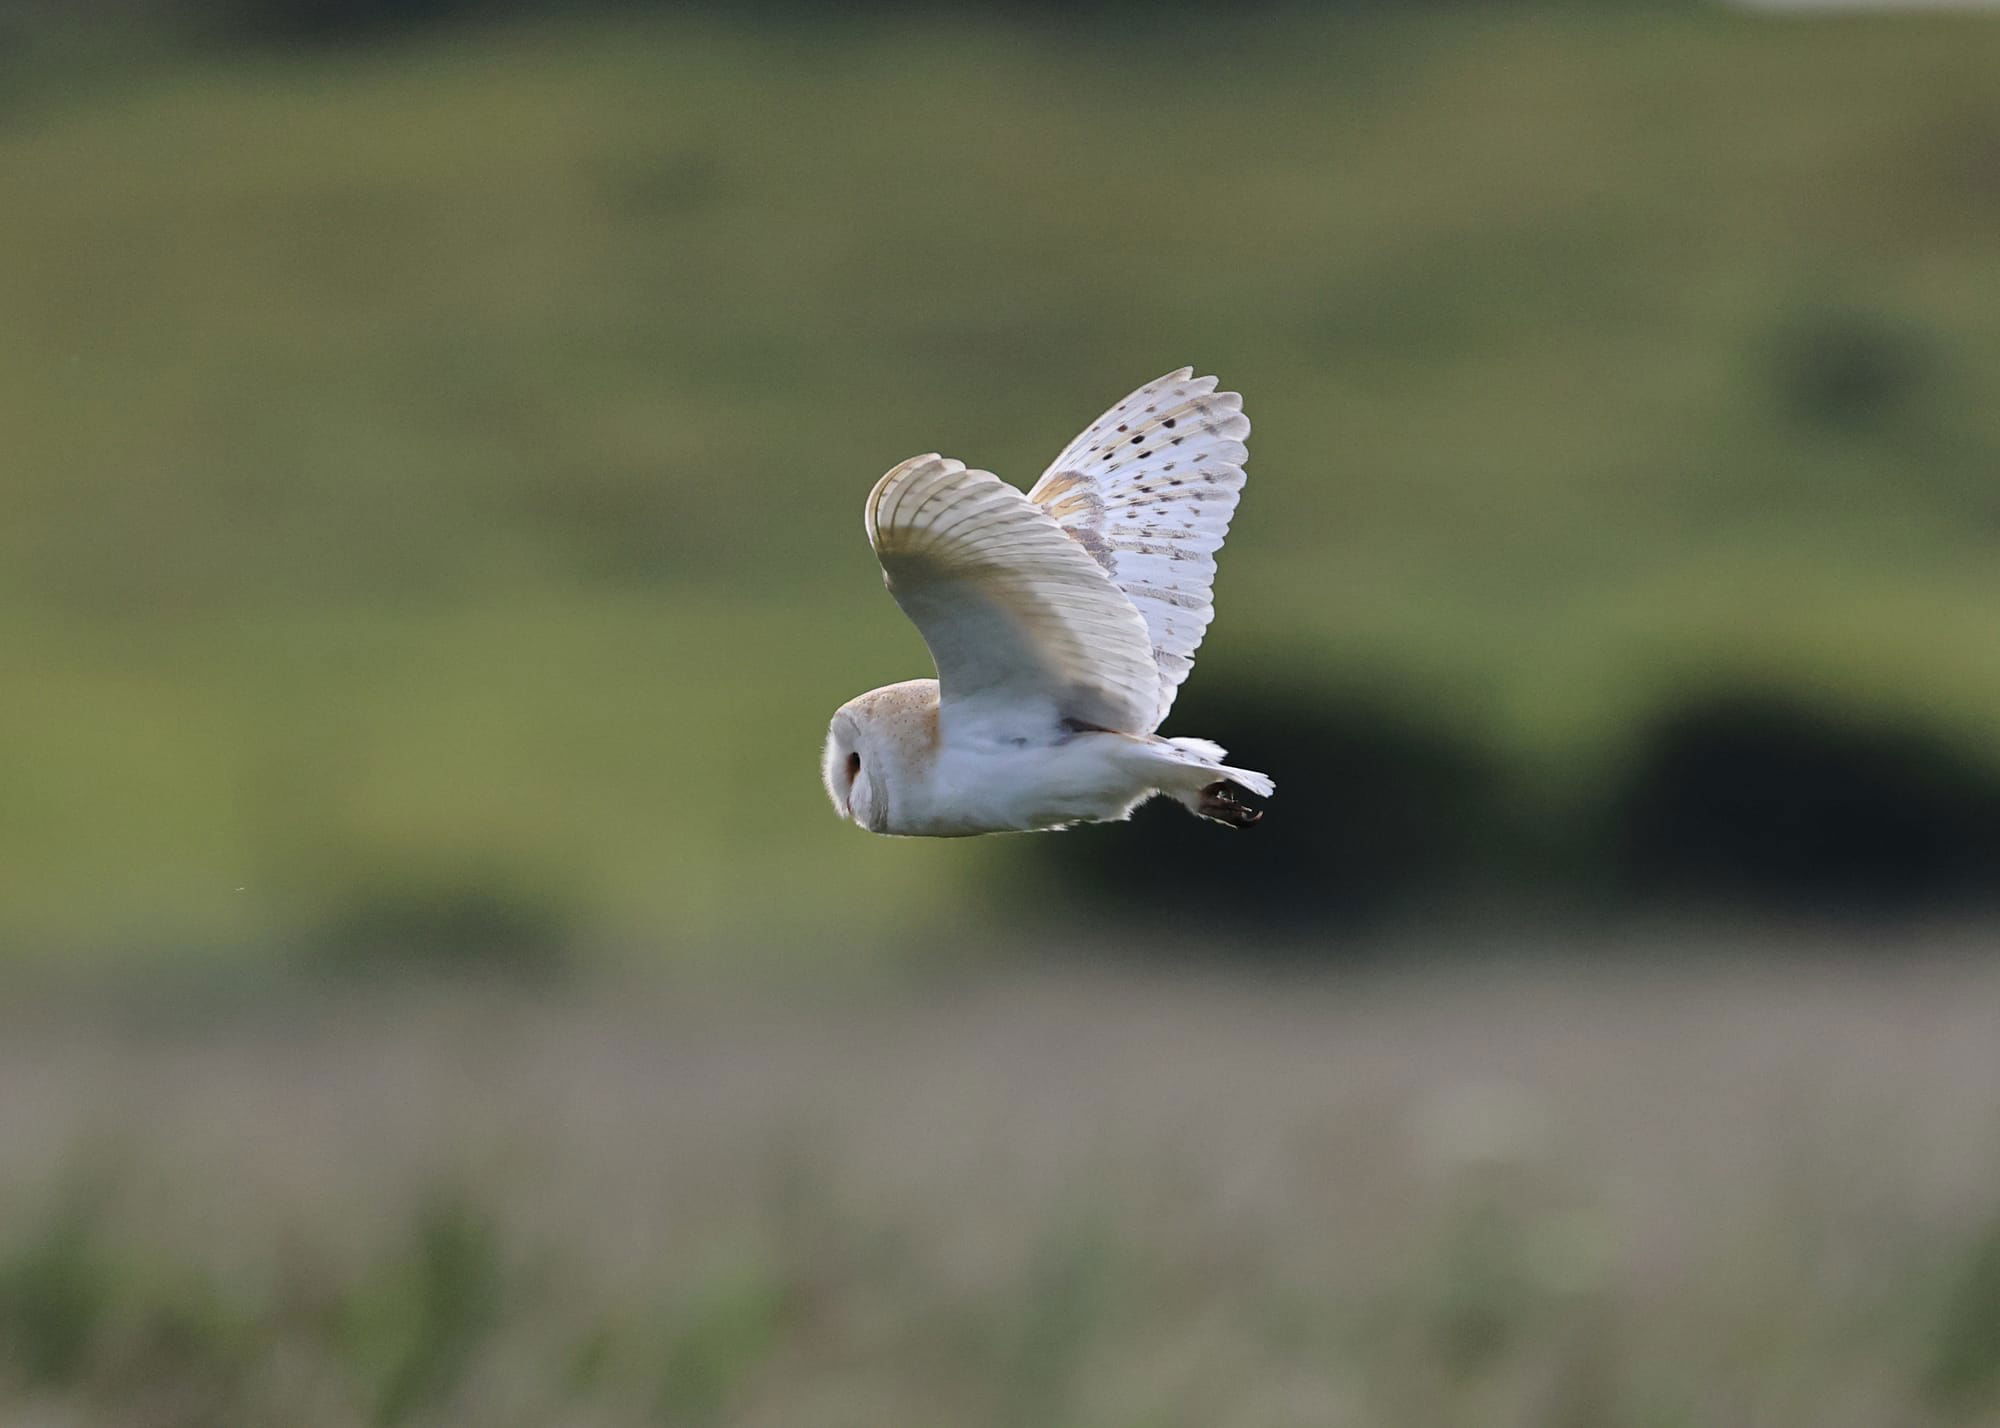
[(1062, 623), (1148, 490)]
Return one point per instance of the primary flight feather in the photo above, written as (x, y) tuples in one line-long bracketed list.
[(1062, 623)]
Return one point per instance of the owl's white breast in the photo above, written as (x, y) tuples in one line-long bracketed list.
[(981, 786), (960, 774)]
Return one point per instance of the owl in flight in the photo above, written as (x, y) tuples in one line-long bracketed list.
[(1062, 623)]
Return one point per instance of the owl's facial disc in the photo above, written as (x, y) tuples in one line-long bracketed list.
[(867, 751), (842, 767)]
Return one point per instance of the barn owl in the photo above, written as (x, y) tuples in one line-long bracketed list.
[(1061, 622)]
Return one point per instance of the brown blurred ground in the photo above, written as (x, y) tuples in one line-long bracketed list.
[(1638, 1188)]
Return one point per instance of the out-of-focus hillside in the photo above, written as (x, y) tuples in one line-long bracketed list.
[(434, 472)]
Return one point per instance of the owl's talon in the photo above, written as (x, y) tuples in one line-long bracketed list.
[(1219, 802)]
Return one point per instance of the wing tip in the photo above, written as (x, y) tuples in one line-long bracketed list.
[(895, 480)]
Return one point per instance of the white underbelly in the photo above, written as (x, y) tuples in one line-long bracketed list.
[(994, 788)]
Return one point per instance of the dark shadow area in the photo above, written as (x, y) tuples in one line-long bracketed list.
[(324, 22), (334, 22), (1743, 803), (1847, 371), (1759, 802), (1379, 815), (468, 923)]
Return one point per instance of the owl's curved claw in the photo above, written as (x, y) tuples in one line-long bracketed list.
[(1219, 802)]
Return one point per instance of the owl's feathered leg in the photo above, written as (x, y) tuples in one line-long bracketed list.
[(1193, 774)]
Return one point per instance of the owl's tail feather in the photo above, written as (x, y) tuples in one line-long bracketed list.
[(1196, 786)]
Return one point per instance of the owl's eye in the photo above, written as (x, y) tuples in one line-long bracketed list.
[(853, 767)]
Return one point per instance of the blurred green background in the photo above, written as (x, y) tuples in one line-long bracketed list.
[(436, 451), (436, 434)]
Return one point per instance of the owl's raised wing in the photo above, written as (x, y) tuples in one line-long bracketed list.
[(1025, 629), (1148, 489)]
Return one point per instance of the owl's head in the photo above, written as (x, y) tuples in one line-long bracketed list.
[(877, 743)]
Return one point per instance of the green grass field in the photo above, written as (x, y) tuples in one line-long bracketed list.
[(1642, 1188), (441, 466)]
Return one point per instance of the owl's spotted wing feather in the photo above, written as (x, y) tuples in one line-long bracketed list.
[(1025, 628), (1148, 490)]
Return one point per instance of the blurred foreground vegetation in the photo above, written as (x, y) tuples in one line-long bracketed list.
[(434, 470), (1666, 1193)]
